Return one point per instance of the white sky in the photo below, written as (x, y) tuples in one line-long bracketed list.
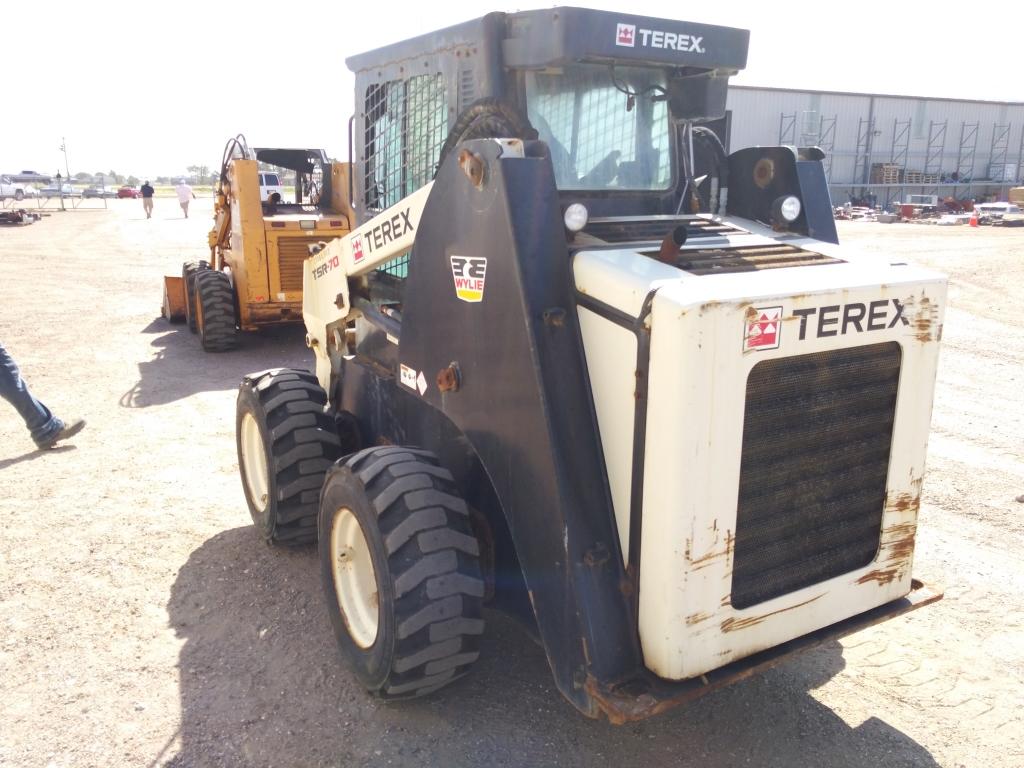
[(148, 88)]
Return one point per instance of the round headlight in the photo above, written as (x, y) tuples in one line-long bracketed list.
[(576, 216), (786, 209)]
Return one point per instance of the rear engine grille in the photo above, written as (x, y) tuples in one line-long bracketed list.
[(292, 252), (628, 231), (816, 435), (715, 261)]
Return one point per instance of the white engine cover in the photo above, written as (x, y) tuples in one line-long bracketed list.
[(707, 333)]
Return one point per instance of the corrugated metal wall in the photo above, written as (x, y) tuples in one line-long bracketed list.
[(757, 119)]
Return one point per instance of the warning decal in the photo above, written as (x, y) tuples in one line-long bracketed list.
[(763, 328), (357, 249), (469, 273), (408, 376)]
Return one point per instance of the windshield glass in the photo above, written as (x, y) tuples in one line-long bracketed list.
[(600, 137)]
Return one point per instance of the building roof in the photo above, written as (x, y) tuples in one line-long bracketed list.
[(733, 87)]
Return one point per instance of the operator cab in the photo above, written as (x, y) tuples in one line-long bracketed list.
[(309, 170)]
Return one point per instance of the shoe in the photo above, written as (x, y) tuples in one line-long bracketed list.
[(71, 429)]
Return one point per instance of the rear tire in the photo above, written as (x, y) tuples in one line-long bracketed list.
[(215, 318), (401, 571), (286, 442), (188, 277)]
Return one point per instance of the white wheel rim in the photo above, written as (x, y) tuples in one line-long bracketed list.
[(254, 461), (355, 582)]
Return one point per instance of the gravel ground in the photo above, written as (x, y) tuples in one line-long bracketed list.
[(142, 623)]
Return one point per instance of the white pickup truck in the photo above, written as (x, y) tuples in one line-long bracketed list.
[(16, 189)]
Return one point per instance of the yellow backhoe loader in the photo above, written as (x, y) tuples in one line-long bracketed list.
[(258, 243)]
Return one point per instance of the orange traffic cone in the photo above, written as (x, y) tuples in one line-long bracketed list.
[(974, 219)]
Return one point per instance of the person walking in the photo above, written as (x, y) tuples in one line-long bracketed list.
[(185, 194), (147, 199), (46, 429)]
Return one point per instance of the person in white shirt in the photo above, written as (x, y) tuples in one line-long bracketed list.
[(185, 194)]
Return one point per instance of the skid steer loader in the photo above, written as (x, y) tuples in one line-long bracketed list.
[(253, 277), (577, 361)]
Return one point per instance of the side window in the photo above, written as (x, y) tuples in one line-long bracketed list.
[(405, 127), (271, 180)]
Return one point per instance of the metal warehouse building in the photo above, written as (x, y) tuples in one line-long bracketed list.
[(889, 146)]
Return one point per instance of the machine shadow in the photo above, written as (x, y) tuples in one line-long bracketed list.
[(181, 368), (262, 683)]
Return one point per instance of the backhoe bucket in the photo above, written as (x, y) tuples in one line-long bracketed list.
[(174, 299)]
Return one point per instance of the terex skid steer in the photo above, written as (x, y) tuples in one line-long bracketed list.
[(253, 277), (577, 360)]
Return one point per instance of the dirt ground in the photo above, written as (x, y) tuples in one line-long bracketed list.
[(142, 623)]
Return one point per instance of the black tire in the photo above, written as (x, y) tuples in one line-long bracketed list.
[(188, 278), (299, 445), (426, 563), (486, 118), (215, 315), (19, 194)]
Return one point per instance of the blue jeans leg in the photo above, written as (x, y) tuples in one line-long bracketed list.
[(40, 422)]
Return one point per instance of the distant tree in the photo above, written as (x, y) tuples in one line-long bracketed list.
[(115, 177), (163, 180), (83, 176), (133, 181)]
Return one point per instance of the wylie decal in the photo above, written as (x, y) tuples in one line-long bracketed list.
[(626, 35), (469, 273), (763, 328)]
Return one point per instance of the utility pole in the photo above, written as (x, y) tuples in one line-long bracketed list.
[(63, 148)]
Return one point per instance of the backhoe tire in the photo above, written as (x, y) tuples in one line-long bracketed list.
[(188, 279), (401, 571), (286, 442), (215, 315)]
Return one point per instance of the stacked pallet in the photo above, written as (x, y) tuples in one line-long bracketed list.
[(918, 177), (885, 173)]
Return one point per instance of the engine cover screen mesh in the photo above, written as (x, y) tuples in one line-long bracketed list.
[(816, 435)]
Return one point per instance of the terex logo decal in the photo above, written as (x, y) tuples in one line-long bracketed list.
[(625, 35), (846, 318), (387, 231), (764, 328), (469, 273)]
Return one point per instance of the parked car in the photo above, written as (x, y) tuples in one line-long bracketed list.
[(16, 189), (127, 191), (32, 177), (270, 183), (54, 191), (98, 192)]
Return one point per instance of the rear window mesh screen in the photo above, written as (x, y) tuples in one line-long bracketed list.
[(406, 124)]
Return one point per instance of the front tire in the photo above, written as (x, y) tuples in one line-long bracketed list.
[(286, 442), (215, 316), (401, 571), (188, 277)]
